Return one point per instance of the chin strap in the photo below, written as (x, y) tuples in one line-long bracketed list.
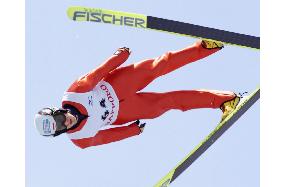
[(57, 133)]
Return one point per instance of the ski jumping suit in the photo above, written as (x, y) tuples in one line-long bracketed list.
[(109, 95)]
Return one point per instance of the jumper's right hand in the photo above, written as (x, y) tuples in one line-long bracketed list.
[(141, 126)]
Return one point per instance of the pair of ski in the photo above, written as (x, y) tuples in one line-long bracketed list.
[(149, 22)]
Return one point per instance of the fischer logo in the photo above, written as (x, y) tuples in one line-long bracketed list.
[(111, 100), (100, 16)]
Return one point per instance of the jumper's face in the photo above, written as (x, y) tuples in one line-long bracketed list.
[(70, 120)]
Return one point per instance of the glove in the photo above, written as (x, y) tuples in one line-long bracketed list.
[(141, 126), (122, 49)]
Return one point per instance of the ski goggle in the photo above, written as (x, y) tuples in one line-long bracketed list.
[(60, 120), (59, 117)]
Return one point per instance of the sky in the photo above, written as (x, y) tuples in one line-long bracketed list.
[(58, 51)]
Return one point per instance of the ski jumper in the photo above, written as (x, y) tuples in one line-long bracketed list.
[(118, 88)]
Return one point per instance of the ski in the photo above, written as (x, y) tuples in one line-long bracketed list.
[(78, 13), (244, 105)]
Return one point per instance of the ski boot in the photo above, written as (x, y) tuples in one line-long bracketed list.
[(209, 44), (229, 106)]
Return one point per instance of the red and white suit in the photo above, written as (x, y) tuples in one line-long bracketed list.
[(118, 88)]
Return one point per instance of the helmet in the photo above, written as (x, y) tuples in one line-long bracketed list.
[(50, 121)]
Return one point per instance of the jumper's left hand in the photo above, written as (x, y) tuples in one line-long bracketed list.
[(124, 49)]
